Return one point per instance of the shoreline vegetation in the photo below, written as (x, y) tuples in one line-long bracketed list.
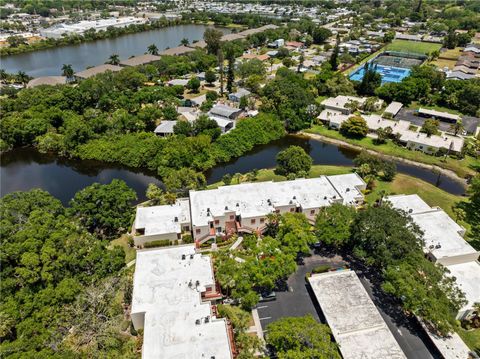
[(89, 36), (453, 168)]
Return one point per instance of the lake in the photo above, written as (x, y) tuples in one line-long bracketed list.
[(49, 62), (26, 168)]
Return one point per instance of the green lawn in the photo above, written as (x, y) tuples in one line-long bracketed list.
[(462, 167), (404, 184), (413, 46), (471, 338), (122, 241)]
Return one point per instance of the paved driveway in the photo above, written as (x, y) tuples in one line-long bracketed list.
[(298, 301)]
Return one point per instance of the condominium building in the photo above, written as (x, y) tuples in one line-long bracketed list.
[(173, 301), (243, 207), (356, 324), (444, 244)]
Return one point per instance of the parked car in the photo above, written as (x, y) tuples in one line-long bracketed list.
[(267, 297)]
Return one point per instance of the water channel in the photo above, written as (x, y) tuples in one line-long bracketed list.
[(49, 62), (24, 169)]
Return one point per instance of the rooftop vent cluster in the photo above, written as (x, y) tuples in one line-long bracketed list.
[(204, 319)]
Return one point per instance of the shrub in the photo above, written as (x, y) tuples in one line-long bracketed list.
[(355, 126), (187, 238), (321, 268), (159, 243)]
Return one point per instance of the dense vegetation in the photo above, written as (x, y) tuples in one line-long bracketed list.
[(301, 337), (111, 118), (268, 261), (429, 86), (61, 289), (387, 240)]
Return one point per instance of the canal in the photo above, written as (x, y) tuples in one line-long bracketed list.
[(26, 168), (49, 62)]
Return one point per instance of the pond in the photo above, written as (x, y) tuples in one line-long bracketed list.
[(26, 168)]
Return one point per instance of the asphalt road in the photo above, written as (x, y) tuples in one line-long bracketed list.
[(298, 301)]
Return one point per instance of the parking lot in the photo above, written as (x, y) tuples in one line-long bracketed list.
[(298, 301), (469, 122)]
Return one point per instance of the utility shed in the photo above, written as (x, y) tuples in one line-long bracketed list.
[(356, 323)]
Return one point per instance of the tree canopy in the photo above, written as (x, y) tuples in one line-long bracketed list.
[(301, 337), (293, 160), (104, 209)]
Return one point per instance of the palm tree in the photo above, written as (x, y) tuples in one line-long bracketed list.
[(22, 77), (184, 42), (114, 59), (67, 71), (152, 49), (457, 127), (3, 75)]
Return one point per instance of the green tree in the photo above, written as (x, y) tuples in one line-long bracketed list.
[(295, 235), (320, 35), (382, 235), (184, 128), (210, 77), (355, 126), (334, 57), (152, 49), (227, 179), (370, 81), (184, 42), (430, 127), (155, 194), (212, 38), (301, 337), (67, 71), (22, 77), (457, 127), (104, 209), (193, 84), (332, 224), (230, 71), (114, 59), (243, 102), (251, 67), (205, 125), (183, 180), (294, 160)]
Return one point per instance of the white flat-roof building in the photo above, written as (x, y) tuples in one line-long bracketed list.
[(79, 28), (162, 222), (445, 116), (340, 103), (356, 324), (336, 113), (467, 276), (245, 206), (172, 290), (165, 128), (451, 347), (393, 108), (444, 244)]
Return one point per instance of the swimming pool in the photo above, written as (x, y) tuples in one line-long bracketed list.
[(388, 73)]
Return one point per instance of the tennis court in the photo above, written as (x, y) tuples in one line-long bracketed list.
[(388, 73)]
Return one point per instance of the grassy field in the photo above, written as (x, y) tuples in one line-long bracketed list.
[(471, 338), (412, 46), (442, 63), (460, 167), (404, 184), (123, 242)]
